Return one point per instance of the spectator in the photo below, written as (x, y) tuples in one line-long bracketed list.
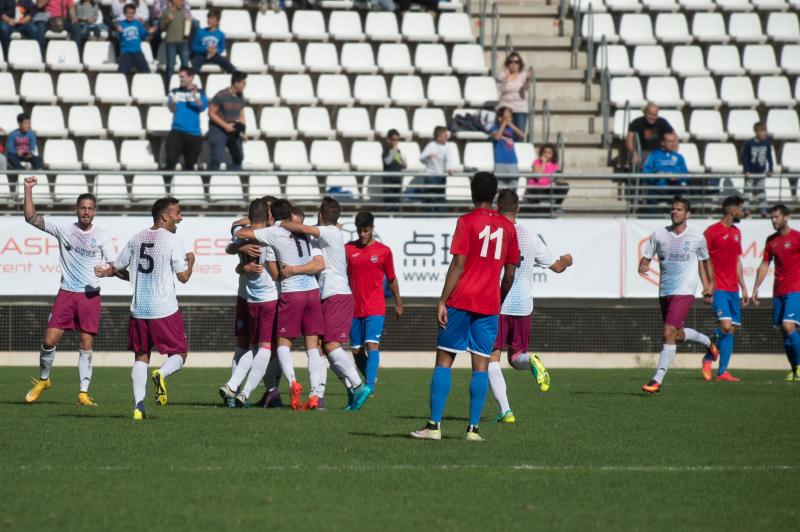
[(226, 123), (549, 188), (16, 15), (140, 8), (512, 83), (40, 20), (650, 129), (3, 161), (177, 27), (208, 45), (757, 165), (438, 163), (185, 138), (385, 5), (393, 161), (158, 8), (665, 160), (88, 16), (61, 15), (503, 134), (21, 146), (131, 32)]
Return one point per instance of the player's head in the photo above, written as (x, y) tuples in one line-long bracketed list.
[(329, 211), (281, 210), (130, 12), (760, 129), (85, 208), (733, 206), (483, 187), (167, 213), (681, 210), (298, 216), (24, 122), (779, 214), (365, 225), (507, 202), (258, 213)]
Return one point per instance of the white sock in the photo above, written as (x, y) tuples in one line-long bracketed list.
[(257, 371), (664, 361), (344, 367), (139, 379), (46, 358), (237, 354), (498, 385), (85, 369), (172, 364), (698, 337), (316, 369), (522, 361), (245, 362), (285, 360)]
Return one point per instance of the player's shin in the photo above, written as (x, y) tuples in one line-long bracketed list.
[(792, 345), (694, 336), (440, 389), (373, 363), (257, 370), (316, 368), (172, 364), (241, 371), (344, 367), (285, 361), (361, 362), (664, 361), (237, 354), (725, 344), (498, 386), (273, 376), (139, 380), (46, 358), (85, 369), (478, 386)]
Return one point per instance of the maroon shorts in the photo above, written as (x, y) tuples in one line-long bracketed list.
[(300, 314), (75, 310), (241, 326), (338, 313), (513, 332), (674, 309), (261, 321), (167, 335)]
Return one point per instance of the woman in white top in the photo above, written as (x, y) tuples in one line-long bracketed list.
[(512, 83)]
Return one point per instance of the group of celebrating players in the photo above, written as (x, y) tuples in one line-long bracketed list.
[(298, 280)]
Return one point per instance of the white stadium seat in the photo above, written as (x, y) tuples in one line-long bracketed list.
[(217, 82), (291, 155), (650, 61), (99, 56), (418, 27), (411, 152), (771, 5), (63, 55), (687, 61), (635, 28), (148, 89), (158, 120), (68, 187), (112, 88), (315, 122), (256, 156), (61, 154), (783, 27), (626, 89), (675, 119), (334, 89), (479, 156), (457, 188), (73, 87), (722, 158), (790, 156), (692, 157), (790, 59), (700, 92), (8, 89), (697, 5), (737, 91), (308, 25), (322, 57), (236, 25), (783, 124), (706, 125), (346, 186), (615, 59), (759, 59), (661, 5), (264, 185), (125, 121), (111, 189), (37, 87), (673, 28), (189, 188), (137, 155), (472, 135), (302, 188), (480, 91), (774, 91), (603, 27), (25, 54), (248, 57), (353, 122), (664, 92), (277, 122), (394, 58), (225, 190), (734, 5), (431, 59), (366, 156), (709, 27), (392, 118), (146, 188), (425, 120), (100, 154), (468, 59), (327, 155), (746, 27), (723, 60), (740, 123), (444, 91), (260, 90), (407, 91), (85, 121), (382, 27), (526, 153), (272, 26), (455, 27), (345, 26), (620, 127), (285, 57), (358, 58), (8, 117), (624, 5), (371, 90), (296, 89), (48, 121), (597, 6)]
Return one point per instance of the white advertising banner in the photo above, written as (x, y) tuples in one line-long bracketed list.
[(606, 252)]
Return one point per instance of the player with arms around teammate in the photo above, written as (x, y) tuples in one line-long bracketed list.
[(484, 244), (299, 307), (82, 246), (682, 253), (337, 299), (369, 262), (724, 242), (153, 258), (783, 246), (514, 329)]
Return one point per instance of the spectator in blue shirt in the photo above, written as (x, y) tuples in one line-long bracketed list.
[(21, 146), (131, 32), (209, 45), (15, 15), (666, 160), (757, 165), (503, 134), (185, 138)]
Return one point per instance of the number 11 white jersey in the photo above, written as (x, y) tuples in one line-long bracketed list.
[(152, 258)]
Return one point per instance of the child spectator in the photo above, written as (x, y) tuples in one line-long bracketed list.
[(88, 16), (131, 32), (757, 164), (547, 188), (21, 146), (503, 134), (208, 45), (438, 163)]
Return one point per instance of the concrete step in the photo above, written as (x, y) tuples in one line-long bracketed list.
[(582, 123), (568, 106), (564, 90), (542, 60), (519, 27), (526, 42), (585, 159)]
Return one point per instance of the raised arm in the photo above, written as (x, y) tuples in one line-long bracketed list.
[(186, 275), (314, 267), (36, 220), (301, 228), (453, 275)]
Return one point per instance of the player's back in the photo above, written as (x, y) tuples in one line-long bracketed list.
[(154, 258), (333, 279), (533, 252), (294, 250)]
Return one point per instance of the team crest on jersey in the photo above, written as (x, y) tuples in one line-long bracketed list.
[(686, 246), (725, 237), (373, 259), (736, 238), (787, 244), (94, 243)]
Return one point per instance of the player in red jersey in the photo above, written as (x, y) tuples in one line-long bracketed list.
[(724, 242), (484, 244), (368, 263), (784, 247)]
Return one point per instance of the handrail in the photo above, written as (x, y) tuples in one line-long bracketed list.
[(545, 121), (531, 109), (577, 18), (482, 22), (590, 53), (509, 44), (562, 16), (495, 35), (561, 141), (605, 89)]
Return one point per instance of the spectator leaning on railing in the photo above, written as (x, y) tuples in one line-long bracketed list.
[(650, 129), (512, 83), (21, 146), (665, 160), (549, 187), (208, 45), (757, 166), (16, 15), (185, 138)]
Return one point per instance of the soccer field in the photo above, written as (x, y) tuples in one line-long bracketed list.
[(594, 453)]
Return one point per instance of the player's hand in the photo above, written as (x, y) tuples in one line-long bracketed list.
[(190, 259), (441, 312), (643, 269), (745, 297), (30, 181), (398, 311), (754, 299), (566, 259), (287, 271), (708, 297), (102, 270), (251, 250), (253, 268)]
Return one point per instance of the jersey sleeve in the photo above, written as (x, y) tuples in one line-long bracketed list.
[(54, 228), (265, 236), (542, 254), (178, 259), (269, 254), (702, 249), (327, 233), (767, 257), (388, 265), (315, 248), (460, 244), (107, 248), (124, 258), (650, 249)]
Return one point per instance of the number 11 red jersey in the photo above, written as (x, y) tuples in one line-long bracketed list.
[(489, 242)]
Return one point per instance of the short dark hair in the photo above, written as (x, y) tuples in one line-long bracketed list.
[(330, 210), (214, 12), (238, 76), (683, 201), (498, 114), (781, 208), (515, 55), (439, 129), (86, 196), (365, 219), (281, 209), (759, 125), (270, 199), (507, 201), (391, 133), (189, 70), (483, 187), (552, 147), (297, 211), (730, 202), (258, 211), (129, 7), (22, 117), (161, 205)]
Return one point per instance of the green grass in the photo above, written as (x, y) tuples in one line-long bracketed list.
[(591, 454)]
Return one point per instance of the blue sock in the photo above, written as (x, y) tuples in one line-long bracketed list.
[(361, 363), (725, 344), (373, 362), (792, 344), (478, 386), (440, 389)]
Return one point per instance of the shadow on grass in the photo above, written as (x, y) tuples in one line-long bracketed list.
[(422, 419), (94, 416), (22, 402), (394, 435), (624, 394)]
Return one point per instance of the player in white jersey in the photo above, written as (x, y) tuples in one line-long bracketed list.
[(82, 246), (514, 328), (299, 308), (153, 258), (337, 302), (682, 252)]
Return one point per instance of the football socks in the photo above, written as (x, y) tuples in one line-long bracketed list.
[(478, 386), (440, 389), (85, 369), (725, 345), (139, 379), (257, 370), (498, 385), (664, 361), (46, 358)]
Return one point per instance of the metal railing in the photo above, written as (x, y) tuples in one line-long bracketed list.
[(545, 121), (590, 54), (531, 109), (563, 5), (495, 36), (577, 18), (605, 95), (561, 141), (482, 21)]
